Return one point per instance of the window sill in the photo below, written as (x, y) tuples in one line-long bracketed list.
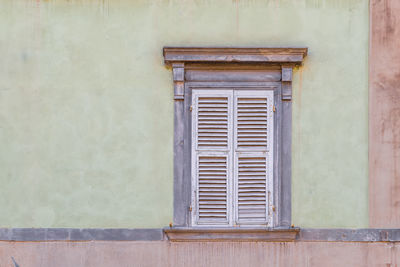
[(231, 234)]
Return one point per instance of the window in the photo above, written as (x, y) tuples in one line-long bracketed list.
[(232, 159), (232, 136)]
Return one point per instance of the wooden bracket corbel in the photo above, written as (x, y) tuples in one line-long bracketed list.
[(287, 73), (178, 72)]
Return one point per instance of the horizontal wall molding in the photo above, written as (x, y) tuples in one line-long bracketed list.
[(157, 234), (350, 235), (73, 234)]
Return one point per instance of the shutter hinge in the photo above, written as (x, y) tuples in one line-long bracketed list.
[(190, 208), (274, 108), (191, 107), (273, 208)]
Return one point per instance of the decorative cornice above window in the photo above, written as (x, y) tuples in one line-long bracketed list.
[(285, 58), (234, 54)]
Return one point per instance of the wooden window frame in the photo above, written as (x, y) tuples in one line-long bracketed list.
[(184, 59)]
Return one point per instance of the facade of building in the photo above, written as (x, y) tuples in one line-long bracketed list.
[(105, 114)]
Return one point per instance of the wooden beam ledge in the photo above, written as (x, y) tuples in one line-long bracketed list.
[(293, 55), (231, 234)]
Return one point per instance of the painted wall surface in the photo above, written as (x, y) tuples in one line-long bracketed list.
[(384, 114), (218, 254), (86, 106)]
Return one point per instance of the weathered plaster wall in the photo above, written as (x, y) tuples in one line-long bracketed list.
[(86, 106), (101, 254), (384, 114)]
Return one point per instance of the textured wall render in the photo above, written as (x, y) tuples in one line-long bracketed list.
[(86, 106), (164, 254), (384, 114)]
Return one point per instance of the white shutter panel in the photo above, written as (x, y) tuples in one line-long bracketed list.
[(253, 156), (212, 189), (252, 189), (211, 156), (251, 121), (212, 121)]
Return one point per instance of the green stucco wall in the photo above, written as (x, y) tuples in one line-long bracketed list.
[(86, 106)]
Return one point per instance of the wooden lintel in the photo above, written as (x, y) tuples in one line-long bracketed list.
[(235, 54)]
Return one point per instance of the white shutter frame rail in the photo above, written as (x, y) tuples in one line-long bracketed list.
[(238, 68)]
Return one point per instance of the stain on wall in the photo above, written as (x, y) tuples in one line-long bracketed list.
[(384, 115), (86, 106)]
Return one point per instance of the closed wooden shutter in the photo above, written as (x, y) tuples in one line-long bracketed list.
[(211, 156), (232, 134), (253, 155)]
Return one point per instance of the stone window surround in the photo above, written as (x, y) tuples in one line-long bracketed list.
[(180, 59)]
